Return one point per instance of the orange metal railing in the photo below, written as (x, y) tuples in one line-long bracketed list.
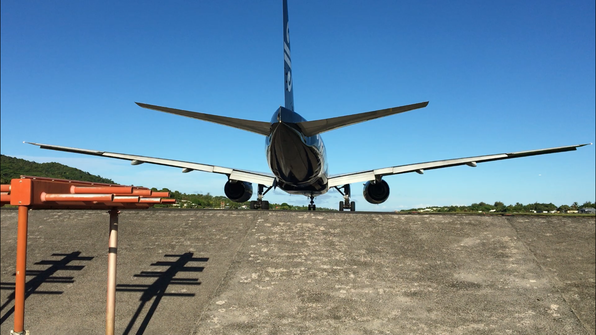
[(49, 193)]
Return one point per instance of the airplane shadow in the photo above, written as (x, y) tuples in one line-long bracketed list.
[(44, 276), (157, 290)]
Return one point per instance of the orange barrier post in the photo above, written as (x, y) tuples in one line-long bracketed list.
[(4, 198), (76, 197), (49, 193), (112, 257), (99, 190), (19, 302), (5, 194), (142, 192)]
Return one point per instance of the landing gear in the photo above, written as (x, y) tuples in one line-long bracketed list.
[(263, 204), (260, 203), (346, 204), (312, 206)]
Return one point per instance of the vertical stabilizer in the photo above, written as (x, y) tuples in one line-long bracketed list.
[(288, 81)]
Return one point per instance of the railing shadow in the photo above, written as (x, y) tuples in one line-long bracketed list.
[(44, 276), (157, 290)]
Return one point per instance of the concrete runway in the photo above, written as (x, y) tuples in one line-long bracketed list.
[(248, 272)]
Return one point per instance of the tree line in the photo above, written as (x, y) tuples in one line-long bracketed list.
[(13, 168), (500, 207)]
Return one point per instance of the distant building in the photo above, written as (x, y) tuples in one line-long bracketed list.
[(572, 211), (587, 210)]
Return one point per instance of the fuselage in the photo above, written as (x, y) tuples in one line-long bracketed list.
[(298, 162)]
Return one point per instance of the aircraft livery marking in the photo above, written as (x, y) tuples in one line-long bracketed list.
[(287, 56), (287, 49), (288, 32), (289, 81)]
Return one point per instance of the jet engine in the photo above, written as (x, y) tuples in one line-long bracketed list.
[(238, 191), (376, 192)]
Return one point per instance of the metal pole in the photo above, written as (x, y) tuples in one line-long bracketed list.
[(112, 255), (19, 301)]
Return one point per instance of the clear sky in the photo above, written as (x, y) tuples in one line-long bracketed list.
[(501, 76)]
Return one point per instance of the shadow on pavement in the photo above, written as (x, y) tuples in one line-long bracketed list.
[(44, 276), (157, 290)]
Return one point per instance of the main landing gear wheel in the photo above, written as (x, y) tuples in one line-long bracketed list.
[(312, 206), (263, 204), (346, 204), (260, 203)]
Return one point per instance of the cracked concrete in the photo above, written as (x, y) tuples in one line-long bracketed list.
[(310, 273)]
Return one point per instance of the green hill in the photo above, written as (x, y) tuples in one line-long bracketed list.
[(12, 167)]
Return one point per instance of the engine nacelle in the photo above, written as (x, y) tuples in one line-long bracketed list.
[(376, 192), (238, 191)]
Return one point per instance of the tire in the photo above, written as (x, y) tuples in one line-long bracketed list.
[(341, 206), (253, 205), (353, 206), (265, 205)]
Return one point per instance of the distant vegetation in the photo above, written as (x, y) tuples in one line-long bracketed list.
[(499, 207), (12, 168)]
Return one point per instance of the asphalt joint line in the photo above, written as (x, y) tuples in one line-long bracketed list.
[(250, 228), (555, 282)]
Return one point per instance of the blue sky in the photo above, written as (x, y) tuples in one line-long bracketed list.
[(501, 76)]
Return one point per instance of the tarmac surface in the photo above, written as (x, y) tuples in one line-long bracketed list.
[(253, 272)]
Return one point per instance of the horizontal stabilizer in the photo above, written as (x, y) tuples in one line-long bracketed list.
[(249, 125), (311, 128)]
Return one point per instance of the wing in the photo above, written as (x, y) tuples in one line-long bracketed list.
[(363, 176), (266, 179)]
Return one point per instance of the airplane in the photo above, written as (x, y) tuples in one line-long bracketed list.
[(296, 154)]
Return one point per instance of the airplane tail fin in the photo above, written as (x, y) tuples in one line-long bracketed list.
[(289, 93), (311, 128)]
